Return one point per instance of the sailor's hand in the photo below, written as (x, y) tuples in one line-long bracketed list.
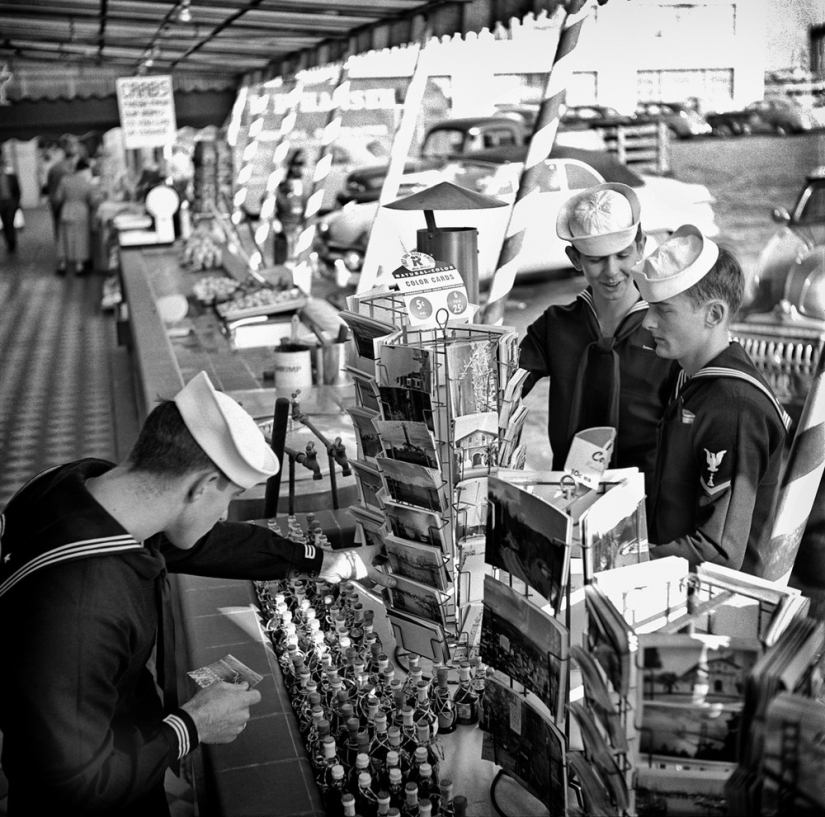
[(360, 564), (221, 710)]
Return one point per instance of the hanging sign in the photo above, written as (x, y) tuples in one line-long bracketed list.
[(147, 111), (433, 291)]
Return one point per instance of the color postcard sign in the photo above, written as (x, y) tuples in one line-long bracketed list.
[(433, 291)]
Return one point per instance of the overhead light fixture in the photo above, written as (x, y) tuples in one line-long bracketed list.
[(184, 12)]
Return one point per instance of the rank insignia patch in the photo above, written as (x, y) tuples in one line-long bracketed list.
[(714, 460)]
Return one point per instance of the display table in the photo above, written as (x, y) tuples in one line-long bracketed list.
[(265, 771)]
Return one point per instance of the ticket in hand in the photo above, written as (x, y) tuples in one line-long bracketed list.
[(227, 669)]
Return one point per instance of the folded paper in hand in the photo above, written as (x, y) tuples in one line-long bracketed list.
[(227, 669)]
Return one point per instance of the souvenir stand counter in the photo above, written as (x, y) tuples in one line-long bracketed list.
[(266, 771)]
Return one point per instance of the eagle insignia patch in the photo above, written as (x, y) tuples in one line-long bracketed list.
[(714, 460)]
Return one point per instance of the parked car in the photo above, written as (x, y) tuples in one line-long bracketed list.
[(666, 204), (778, 115), (783, 322), (683, 121), (801, 234), (583, 117), (444, 141)]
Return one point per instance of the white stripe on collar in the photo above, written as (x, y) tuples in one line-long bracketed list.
[(74, 550)]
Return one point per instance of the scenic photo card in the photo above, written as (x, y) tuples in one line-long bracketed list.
[(369, 443), (414, 484), (416, 524), (402, 403), (408, 441), (417, 599), (370, 484), (471, 506), (416, 561), (528, 538), (525, 643), (472, 376)]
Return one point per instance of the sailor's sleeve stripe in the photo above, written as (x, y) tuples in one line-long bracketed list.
[(185, 731)]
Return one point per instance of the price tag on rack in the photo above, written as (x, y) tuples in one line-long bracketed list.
[(433, 290)]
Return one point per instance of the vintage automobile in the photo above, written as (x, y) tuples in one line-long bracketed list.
[(682, 120), (666, 204), (783, 323), (779, 115)]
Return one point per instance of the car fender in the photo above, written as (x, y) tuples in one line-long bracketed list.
[(766, 286)]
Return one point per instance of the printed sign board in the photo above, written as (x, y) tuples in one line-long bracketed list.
[(147, 111)]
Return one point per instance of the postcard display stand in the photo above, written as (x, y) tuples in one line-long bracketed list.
[(436, 410), (644, 687)]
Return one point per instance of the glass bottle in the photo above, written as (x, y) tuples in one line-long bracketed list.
[(427, 787), (404, 761), (443, 703), (423, 712), (396, 787), (379, 745), (410, 807), (460, 805), (435, 751), (415, 677), (362, 764), (348, 802), (425, 808), (366, 800), (447, 809), (315, 741), (329, 752), (465, 698), (351, 751), (384, 803), (409, 736)]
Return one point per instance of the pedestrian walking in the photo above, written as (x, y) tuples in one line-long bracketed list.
[(77, 196), (9, 204)]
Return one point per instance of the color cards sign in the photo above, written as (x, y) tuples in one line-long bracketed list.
[(147, 111)]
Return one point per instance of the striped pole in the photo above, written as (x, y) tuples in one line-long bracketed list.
[(541, 143), (800, 481), (279, 169), (402, 139), (257, 110), (302, 272)]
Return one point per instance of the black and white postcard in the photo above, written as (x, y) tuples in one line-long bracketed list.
[(416, 524), (406, 367), (370, 484), (401, 403), (528, 538), (417, 599), (366, 390), (416, 561), (408, 441), (525, 742), (472, 376), (525, 643), (373, 525), (414, 484), (369, 443), (475, 441), (614, 529), (365, 331), (419, 636), (471, 504)]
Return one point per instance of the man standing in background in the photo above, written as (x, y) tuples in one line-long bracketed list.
[(9, 204)]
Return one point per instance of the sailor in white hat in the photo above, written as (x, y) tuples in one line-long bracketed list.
[(601, 362), (720, 446), (93, 542)]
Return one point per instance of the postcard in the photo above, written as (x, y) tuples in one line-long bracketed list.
[(610, 639), (406, 367), (372, 525), (614, 529), (598, 698), (370, 484), (228, 669), (596, 797), (525, 643), (419, 636), (511, 398), (369, 443), (695, 669), (414, 484), (524, 741), (471, 504), (704, 732), (365, 330), (366, 390), (399, 403), (416, 561), (475, 442), (416, 524), (472, 376), (512, 435), (408, 441), (528, 538), (670, 790), (417, 599)]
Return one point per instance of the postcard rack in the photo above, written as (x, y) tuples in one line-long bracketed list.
[(434, 417)]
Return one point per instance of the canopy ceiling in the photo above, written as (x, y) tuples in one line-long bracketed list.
[(75, 48)]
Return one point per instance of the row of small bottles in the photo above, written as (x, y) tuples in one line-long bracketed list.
[(372, 738)]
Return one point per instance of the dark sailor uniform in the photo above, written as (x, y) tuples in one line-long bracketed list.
[(597, 381), (718, 468), (84, 729)]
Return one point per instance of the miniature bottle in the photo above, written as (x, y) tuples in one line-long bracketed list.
[(396, 787), (425, 808), (435, 751), (443, 703), (423, 712), (447, 809), (427, 787), (362, 764), (460, 806), (366, 800), (465, 698), (384, 803), (380, 744), (348, 802), (410, 807)]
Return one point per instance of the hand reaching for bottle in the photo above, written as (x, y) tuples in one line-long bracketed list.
[(221, 710)]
